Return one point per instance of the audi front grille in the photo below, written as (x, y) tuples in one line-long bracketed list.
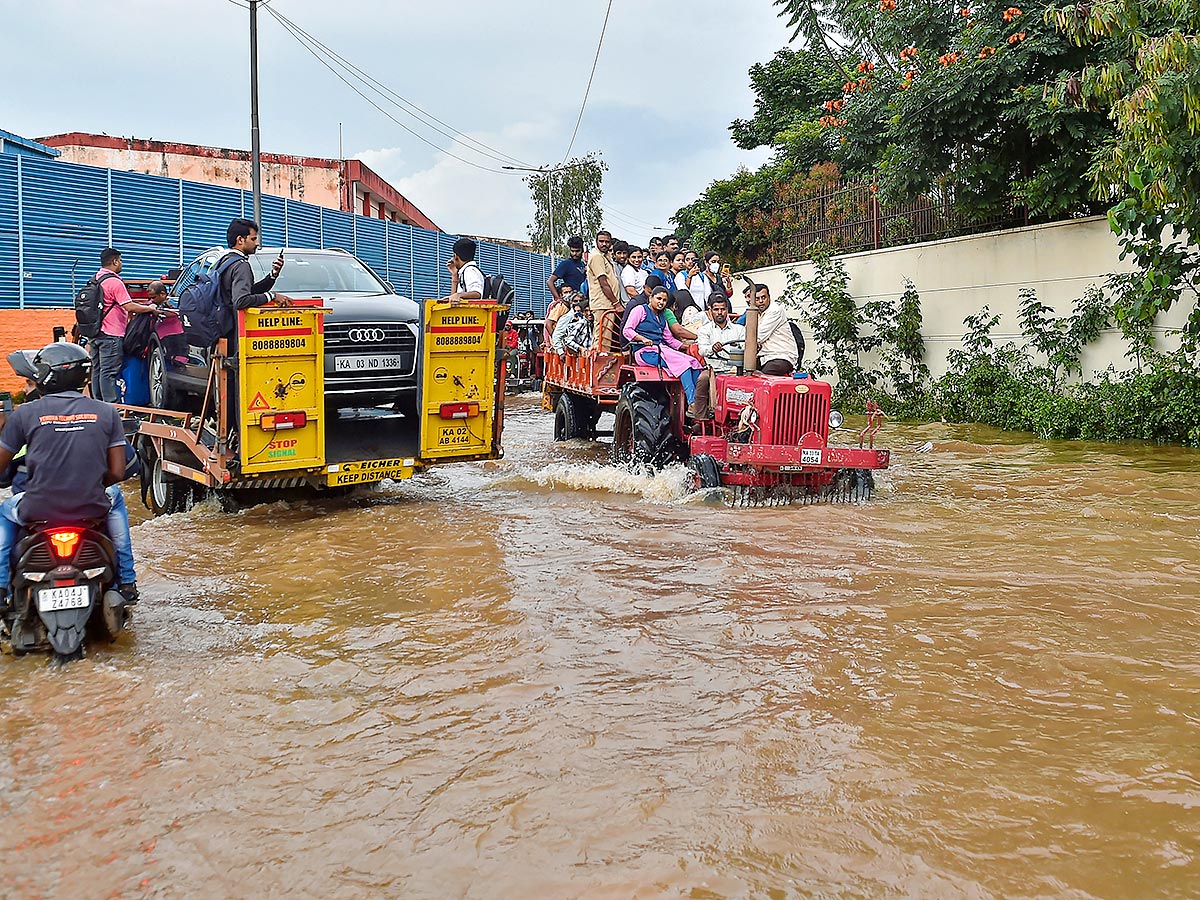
[(371, 338)]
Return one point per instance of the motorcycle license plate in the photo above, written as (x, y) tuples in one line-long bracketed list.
[(53, 599), (365, 363)]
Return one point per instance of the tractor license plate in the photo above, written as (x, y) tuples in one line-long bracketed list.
[(791, 468), (366, 363), (810, 457), (53, 599)]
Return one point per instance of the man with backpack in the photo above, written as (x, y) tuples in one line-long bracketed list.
[(467, 281), (236, 287), (102, 312)]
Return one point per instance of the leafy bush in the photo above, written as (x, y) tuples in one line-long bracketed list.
[(1016, 387)]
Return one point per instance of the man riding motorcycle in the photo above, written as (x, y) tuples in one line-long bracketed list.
[(74, 447)]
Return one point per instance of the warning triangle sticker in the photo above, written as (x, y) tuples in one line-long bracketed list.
[(258, 404)]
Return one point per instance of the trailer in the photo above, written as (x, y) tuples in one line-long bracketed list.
[(264, 430)]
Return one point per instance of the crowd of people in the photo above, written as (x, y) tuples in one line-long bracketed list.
[(668, 305)]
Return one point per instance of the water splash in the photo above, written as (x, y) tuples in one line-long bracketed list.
[(666, 486)]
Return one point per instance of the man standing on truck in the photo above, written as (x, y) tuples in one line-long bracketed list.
[(238, 289), (570, 272), (108, 347), (467, 280), (604, 292)]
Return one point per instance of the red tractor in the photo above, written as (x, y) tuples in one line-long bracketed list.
[(768, 439)]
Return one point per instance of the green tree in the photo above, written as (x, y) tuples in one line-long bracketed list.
[(1143, 70), (574, 191)]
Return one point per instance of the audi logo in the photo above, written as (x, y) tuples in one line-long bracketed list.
[(367, 335)]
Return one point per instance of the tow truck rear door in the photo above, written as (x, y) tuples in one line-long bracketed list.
[(460, 395)]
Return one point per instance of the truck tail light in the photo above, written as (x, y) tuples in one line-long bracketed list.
[(283, 421), (64, 542), (458, 410)]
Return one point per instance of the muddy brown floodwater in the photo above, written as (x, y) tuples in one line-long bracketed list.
[(544, 678)]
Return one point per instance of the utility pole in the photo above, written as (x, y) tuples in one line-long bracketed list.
[(548, 171), (255, 173)]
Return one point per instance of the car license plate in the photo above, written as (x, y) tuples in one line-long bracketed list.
[(810, 457), (366, 363), (52, 599)]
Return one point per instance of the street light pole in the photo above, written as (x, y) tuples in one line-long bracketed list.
[(548, 171), (255, 174)]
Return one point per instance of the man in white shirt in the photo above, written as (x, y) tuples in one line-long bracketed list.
[(712, 338), (466, 276), (777, 351)]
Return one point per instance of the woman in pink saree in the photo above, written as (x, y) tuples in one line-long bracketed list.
[(647, 327)]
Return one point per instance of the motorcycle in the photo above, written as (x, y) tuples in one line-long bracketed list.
[(63, 590)]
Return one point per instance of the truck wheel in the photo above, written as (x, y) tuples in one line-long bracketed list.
[(570, 421), (703, 473), (642, 431), (167, 494), (162, 395)]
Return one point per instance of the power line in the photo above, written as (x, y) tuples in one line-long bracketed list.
[(379, 108), (588, 90), (423, 116)]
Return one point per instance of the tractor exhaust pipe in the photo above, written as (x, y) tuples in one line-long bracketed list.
[(750, 363)]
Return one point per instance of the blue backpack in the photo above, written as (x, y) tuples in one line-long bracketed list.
[(204, 316)]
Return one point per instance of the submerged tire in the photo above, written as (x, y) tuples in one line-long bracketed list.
[(642, 431), (162, 395), (574, 417), (167, 493), (703, 472)]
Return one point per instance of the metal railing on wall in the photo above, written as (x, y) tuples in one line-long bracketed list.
[(56, 217), (846, 217)]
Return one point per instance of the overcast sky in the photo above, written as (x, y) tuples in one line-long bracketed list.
[(671, 77)]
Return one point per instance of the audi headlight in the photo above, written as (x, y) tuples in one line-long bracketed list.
[(835, 419)]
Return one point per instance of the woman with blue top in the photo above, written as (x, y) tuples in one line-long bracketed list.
[(647, 328)]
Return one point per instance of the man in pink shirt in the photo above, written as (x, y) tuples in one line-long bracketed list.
[(108, 346)]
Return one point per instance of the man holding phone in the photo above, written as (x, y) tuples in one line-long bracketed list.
[(238, 289)]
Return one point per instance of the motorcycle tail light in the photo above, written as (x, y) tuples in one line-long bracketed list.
[(64, 542)]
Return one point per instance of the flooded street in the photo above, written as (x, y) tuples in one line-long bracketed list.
[(546, 678)]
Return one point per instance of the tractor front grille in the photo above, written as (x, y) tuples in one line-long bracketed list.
[(795, 415)]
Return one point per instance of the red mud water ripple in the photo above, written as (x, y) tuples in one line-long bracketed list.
[(541, 678)]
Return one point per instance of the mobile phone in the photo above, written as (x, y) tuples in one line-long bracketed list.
[(6, 402)]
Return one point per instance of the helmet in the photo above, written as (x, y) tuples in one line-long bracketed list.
[(22, 363), (62, 367)]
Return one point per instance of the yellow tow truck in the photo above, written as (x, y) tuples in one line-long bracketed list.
[(264, 430)]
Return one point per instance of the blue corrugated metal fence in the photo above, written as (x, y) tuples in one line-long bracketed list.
[(56, 217)]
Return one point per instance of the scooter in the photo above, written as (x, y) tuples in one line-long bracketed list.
[(64, 590)]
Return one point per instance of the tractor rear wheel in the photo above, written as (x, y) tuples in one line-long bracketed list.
[(642, 431), (703, 473), (570, 419)]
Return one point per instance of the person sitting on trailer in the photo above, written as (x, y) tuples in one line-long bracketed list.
[(574, 332), (647, 327), (559, 307)]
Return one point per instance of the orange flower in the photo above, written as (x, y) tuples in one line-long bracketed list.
[(986, 52), (948, 59), (1016, 38), (965, 12), (1011, 13), (908, 53)]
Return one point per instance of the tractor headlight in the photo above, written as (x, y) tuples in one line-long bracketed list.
[(835, 420)]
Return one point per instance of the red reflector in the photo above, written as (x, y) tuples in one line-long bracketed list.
[(64, 542), (458, 410), (283, 421)]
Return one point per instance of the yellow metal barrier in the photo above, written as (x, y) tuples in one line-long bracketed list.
[(458, 399), (281, 354)]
